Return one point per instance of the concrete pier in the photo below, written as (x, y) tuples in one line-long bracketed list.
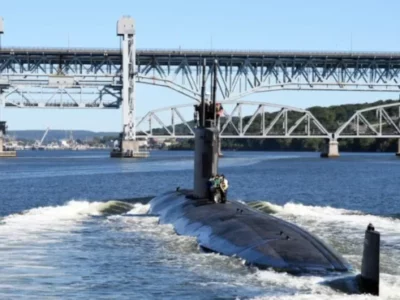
[(129, 149), (8, 154), (5, 153), (331, 149)]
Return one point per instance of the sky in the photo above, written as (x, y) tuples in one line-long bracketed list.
[(356, 25)]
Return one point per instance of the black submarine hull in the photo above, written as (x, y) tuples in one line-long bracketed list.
[(235, 229)]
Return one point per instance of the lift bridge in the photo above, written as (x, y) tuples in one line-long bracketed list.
[(107, 78)]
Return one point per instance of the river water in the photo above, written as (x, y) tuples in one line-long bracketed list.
[(73, 225)]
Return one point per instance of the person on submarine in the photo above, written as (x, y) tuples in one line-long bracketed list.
[(224, 188), (217, 184)]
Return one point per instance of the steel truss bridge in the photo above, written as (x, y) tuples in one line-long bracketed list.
[(92, 78), (107, 78), (272, 121)]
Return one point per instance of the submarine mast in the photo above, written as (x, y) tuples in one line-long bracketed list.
[(206, 137)]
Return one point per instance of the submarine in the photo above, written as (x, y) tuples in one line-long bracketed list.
[(232, 228)]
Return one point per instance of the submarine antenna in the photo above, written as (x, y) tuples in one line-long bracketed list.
[(214, 94), (203, 96)]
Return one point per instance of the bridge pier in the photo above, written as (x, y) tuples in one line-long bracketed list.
[(4, 153), (128, 144), (331, 149), (398, 148), (3, 125), (129, 149)]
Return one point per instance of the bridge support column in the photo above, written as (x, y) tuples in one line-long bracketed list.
[(3, 127), (3, 152), (129, 149), (128, 145), (398, 148), (331, 149)]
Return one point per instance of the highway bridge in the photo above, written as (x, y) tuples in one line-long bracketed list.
[(98, 72)]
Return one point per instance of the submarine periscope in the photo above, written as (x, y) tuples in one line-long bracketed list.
[(235, 229)]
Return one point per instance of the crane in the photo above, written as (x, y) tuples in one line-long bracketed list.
[(38, 145)]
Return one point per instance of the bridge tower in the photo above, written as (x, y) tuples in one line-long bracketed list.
[(128, 145), (3, 124)]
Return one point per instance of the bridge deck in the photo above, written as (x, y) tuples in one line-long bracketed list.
[(201, 53)]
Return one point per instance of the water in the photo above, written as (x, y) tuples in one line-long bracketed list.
[(73, 224)]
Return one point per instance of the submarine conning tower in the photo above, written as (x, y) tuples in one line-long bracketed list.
[(206, 137)]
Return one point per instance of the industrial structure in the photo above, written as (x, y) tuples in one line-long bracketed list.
[(107, 78)]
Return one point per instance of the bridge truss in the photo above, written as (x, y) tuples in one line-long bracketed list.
[(244, 72), (51, 79), (264, 121), (260, 120), (373, 122), (92, 78)]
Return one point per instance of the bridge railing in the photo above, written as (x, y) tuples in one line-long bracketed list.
[(221, 51)]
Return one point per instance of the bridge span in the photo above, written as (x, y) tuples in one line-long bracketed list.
[(107, 78), (38, 77), (266, 121)]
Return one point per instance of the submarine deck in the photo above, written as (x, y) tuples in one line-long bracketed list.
[(235, 229)]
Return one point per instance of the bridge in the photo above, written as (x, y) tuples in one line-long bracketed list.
[(274, 121), (106, 79), (30, 72), (287, 122)]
